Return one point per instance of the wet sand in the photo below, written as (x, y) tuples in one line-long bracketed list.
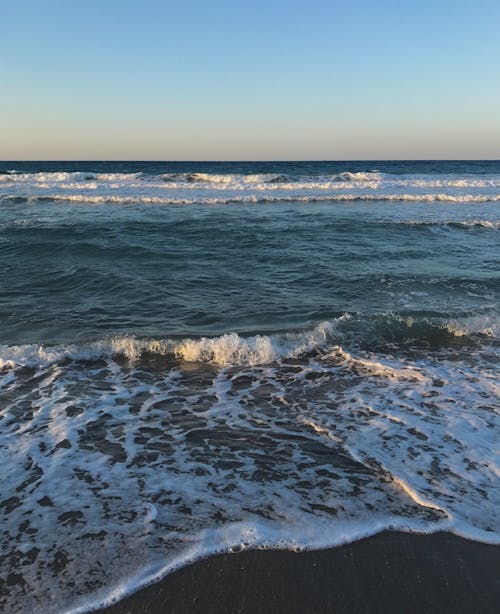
[(390, 572)]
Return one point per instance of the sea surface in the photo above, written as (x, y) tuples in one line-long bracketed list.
[(204, 357)]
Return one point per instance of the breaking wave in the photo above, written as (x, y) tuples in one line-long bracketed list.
[(134, 442), (328, 447), (224, 188), (487, 224), (252, 198), (234, 349)]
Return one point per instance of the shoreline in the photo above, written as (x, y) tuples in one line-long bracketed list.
[(388, 572)]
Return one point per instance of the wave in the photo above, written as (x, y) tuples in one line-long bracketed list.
[(252, 198), (226, 188), (360, 176), (224, 178), (488, 224), (232, 178), (298, 454), (228, 349), (423, 223), (235, 349), (318, 181), (62, 176)]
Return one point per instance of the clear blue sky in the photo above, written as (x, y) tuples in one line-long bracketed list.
[(280, 79)]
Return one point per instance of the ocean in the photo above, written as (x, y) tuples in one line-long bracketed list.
[(207, 357)]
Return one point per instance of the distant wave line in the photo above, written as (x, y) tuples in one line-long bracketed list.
[(253, 198)]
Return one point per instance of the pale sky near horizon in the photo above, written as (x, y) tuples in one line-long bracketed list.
[(220, 80)]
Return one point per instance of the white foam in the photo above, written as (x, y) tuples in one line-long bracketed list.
[(361, 176), (260, 198), (483, 324), (176, 461), (245, 536), (487, 224), (234, 349), (62, 177), (228, 349), (209, 188), (377, 368)]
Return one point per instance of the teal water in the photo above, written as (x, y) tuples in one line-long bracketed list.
[(198, 357), (81, 269)]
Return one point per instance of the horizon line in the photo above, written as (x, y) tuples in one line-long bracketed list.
[(3, 160)]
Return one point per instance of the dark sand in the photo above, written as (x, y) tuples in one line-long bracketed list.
[(390, 572)]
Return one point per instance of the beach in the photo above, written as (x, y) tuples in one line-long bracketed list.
[(250, 307), (274, 359), (390, 572)]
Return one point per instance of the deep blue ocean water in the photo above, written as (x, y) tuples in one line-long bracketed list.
[(200, 356)]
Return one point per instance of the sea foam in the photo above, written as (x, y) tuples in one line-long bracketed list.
[(234, 349), (218, 188), (127, 470)]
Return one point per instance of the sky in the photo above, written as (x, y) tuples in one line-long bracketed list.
[(260, 80)]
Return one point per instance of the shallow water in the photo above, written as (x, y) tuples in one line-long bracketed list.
[(198, 357)]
